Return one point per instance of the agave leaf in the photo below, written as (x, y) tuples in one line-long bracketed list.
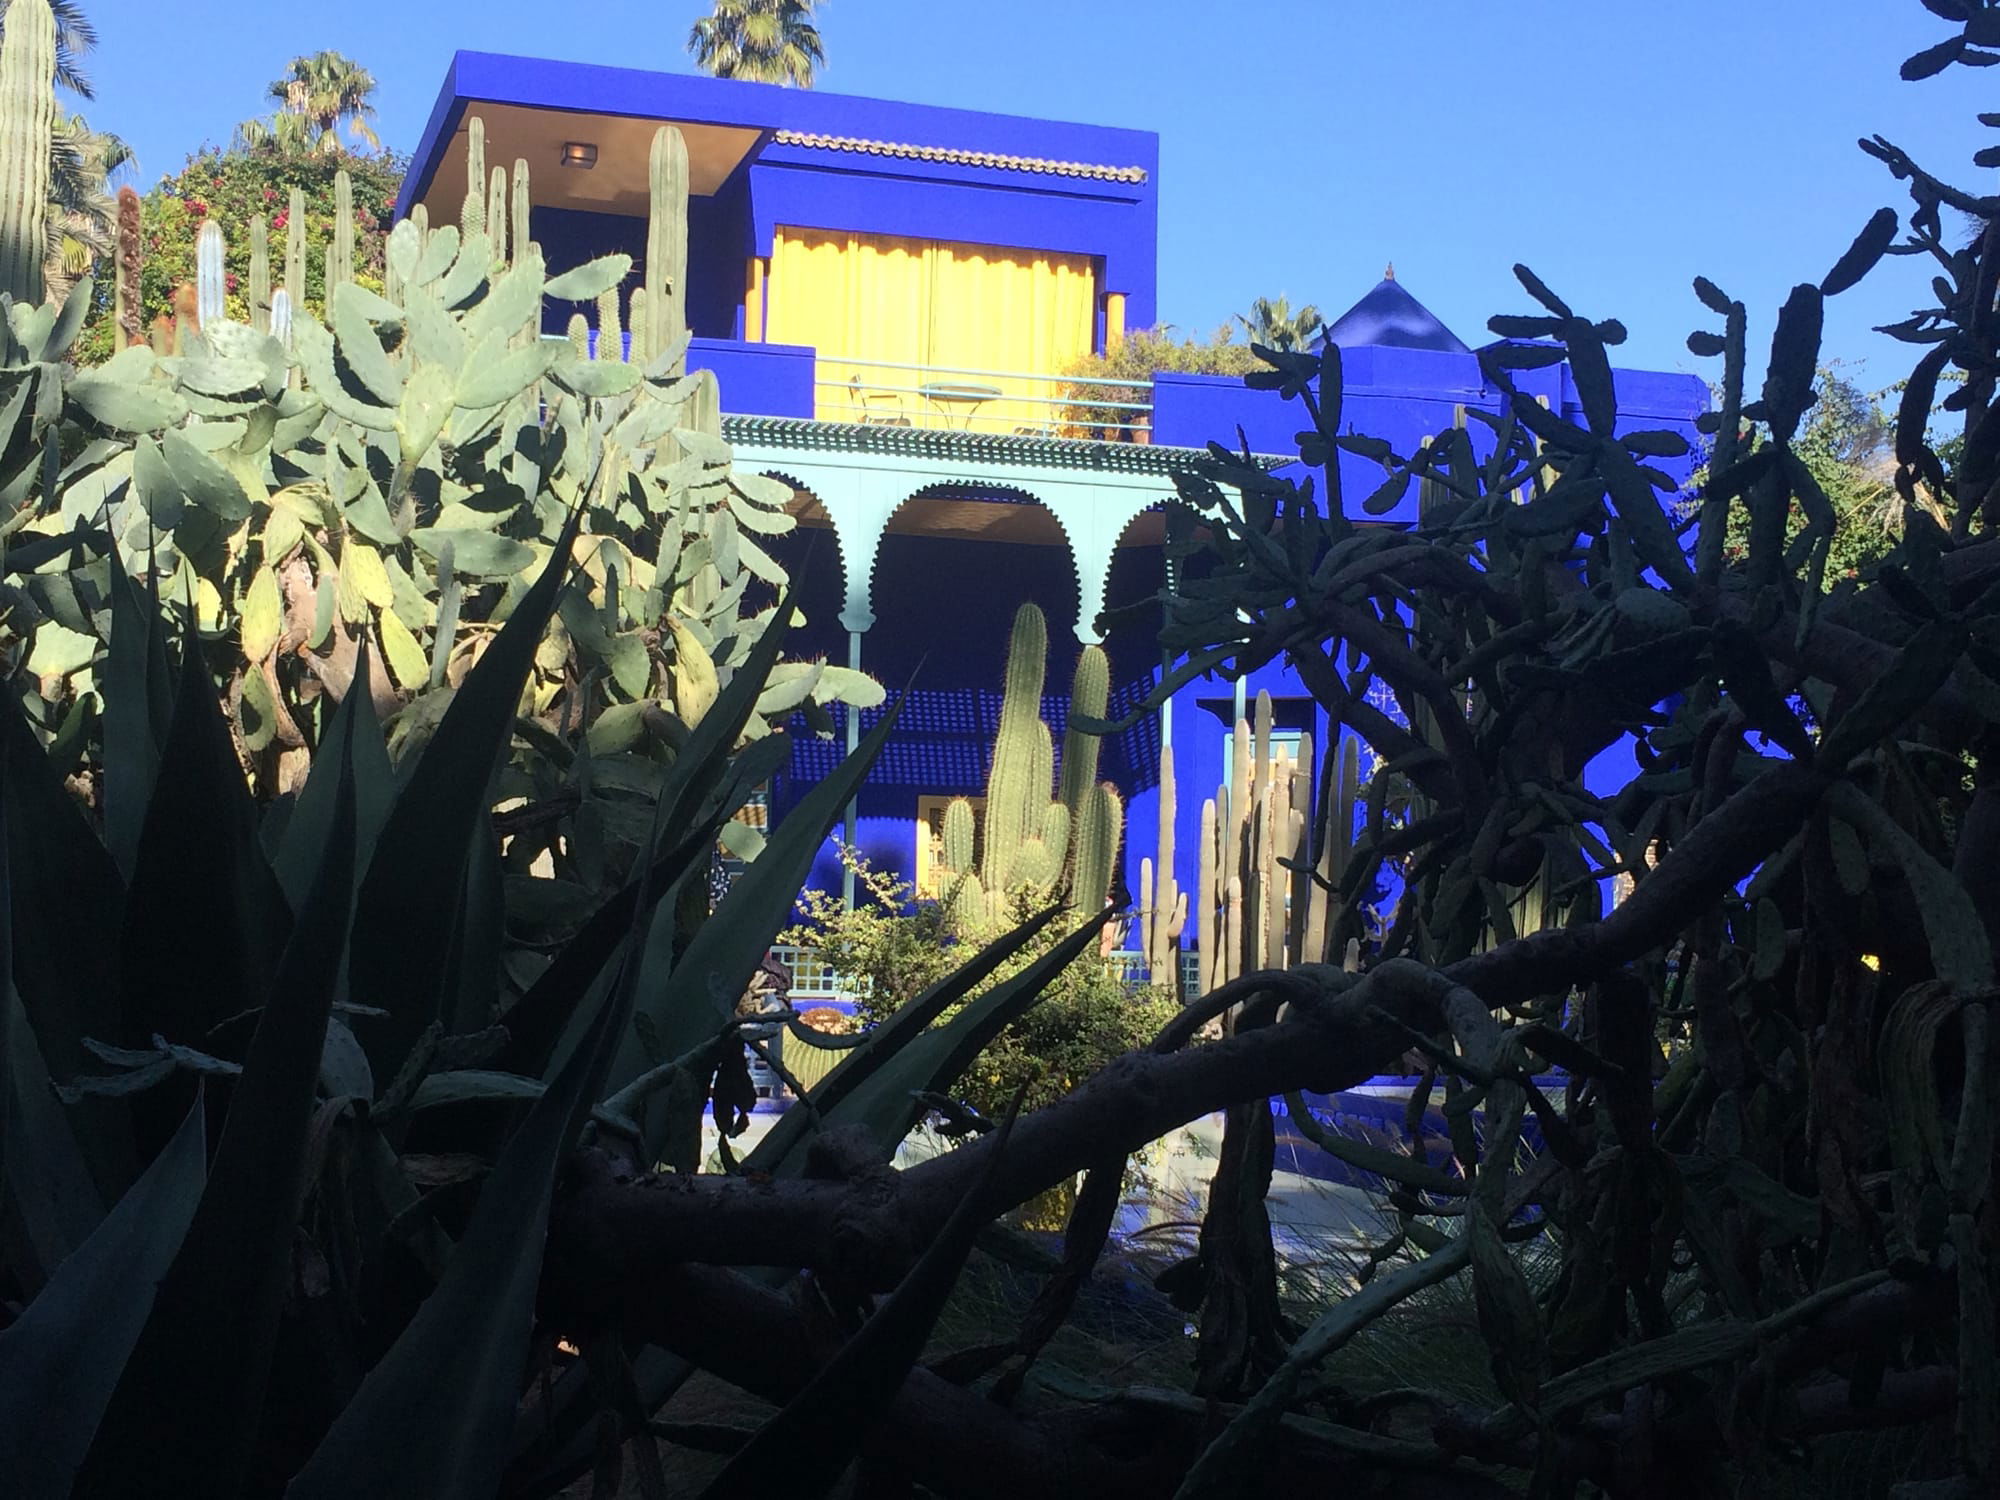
[(778, 1152), (433, 1418), (686, 825), (65, 974), (416, 872), (688, 1000), (60, 1360), (884, 1101), (806, 1446), (187, 1408), (312, 818), (138, 703), (538, 1019), (204, 918), (465, 1085)]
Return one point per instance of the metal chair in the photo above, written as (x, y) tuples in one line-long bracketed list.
[(876, 408)]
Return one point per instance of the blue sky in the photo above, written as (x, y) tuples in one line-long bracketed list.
[(1616, 148)]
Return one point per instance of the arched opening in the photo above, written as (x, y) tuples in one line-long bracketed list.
[(951, 567), (813, 558)]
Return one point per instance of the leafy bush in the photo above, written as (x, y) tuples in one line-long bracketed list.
[(1142, 354), (233, 187), (893, 947)]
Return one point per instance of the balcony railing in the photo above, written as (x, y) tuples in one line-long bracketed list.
[(766, 380), (1009, 403)]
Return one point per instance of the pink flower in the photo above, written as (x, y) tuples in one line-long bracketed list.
[(279, 221), (229, 281)]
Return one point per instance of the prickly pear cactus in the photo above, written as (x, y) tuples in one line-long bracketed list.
[(380, 478)]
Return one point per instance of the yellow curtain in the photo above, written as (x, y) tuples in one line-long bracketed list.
[(975, 316)]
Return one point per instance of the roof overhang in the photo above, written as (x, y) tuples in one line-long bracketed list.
[(531, 106)]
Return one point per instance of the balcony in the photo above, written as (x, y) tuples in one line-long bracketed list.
[(1004, 403), (793, 380)]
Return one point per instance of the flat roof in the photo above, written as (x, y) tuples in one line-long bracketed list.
[(527, 101)]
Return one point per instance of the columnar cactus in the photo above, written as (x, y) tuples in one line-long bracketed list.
[(281, 317), (610, 335), (1014, 800), (638, 319), (1163, 905), (340, 251), (27, 128), (1259, 907), (1089, 694), (472, 216), (523, 243), (295, 248), (1096, 838), (497, 214), (1034, 838), (579, 335), (260, 274), (666, 246), (211, 278)]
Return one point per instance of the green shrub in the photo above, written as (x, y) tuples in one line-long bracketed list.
[(892, 947), (232, 188)]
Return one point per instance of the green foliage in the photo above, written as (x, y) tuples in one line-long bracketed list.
[(1274, 325), (761, 41), (235, 188), (337, 1114), (894, 947), (317, 95), (1137, 357), (1844, 445)]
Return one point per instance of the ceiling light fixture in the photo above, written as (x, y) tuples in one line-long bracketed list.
[(579, 154)]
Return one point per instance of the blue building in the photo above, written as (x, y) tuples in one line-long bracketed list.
[(889, 295)]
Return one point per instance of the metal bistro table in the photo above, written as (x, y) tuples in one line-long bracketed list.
[(946, 394)]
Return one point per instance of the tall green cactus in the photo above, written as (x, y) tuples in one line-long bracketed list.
[(666, 247), (579, 335), (638, 318), (523, 243), (27, 131), (211, 277), (1089, 694), (610, 336), (260, 274), (472, 216), (340, 252), (297, 232), (497, 213), (1014, 799), (1034, 838), (1097, 839)]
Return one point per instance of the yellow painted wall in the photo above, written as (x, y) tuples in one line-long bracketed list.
[(947, 306)]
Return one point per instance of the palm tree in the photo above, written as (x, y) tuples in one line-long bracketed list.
[(74, 37), (1274, 325), (83, 217), (764, 41), (317, 95)]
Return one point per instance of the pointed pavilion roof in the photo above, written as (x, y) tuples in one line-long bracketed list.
[(1390, 316)]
